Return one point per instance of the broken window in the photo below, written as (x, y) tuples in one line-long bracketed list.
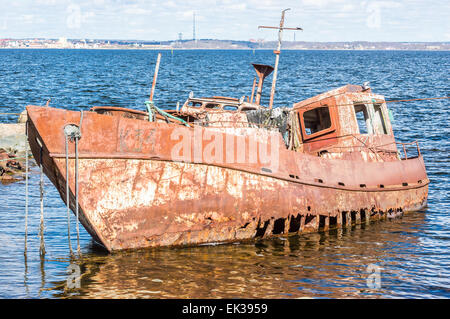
[(195, 104), (379, 123), (317, 120), (230, 107), (363, 119), (212, 106)]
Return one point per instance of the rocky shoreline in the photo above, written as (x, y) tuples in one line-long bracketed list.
[(13, 149)]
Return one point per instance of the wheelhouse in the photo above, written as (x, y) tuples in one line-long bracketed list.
[(346, 120)]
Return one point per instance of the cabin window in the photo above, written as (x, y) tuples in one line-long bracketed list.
[(379, 123), (363, 119), (317, 120), (212, 106), (230, 108), (195, 104)]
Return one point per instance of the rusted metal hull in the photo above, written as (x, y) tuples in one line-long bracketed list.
[(133, 193)]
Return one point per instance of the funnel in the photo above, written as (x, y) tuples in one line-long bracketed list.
[(262, 70)]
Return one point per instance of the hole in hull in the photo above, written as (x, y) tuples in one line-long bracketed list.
[(261, 230), (278, 226), (294, 225), (333, 221)]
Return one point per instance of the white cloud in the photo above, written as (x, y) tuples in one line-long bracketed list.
[(238, 6), (321, 3), (137, 11), (322, 20), (27, 18)]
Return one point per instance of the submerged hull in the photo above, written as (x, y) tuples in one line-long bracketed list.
[(133, 193)]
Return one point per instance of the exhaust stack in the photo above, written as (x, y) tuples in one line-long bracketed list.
[(262, 70)]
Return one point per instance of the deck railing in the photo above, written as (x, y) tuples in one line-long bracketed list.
[(405, 145)]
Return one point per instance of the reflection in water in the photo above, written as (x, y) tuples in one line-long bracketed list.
[(25, 274), (331, 264)]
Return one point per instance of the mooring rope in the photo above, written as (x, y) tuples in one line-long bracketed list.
[(76, 196), (73, 133), (421, 99), (68, 194), (41, 228), (77, 138), (26, 187)]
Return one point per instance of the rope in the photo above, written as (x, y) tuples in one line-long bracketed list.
[(371, 101), (151, 107), (41, 228), (68, 194), (76, 196), (73, 133), (26, 188), (422, 99), (365, 145), (76, 183)]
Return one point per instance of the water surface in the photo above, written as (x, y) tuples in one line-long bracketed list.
[(412, 253)]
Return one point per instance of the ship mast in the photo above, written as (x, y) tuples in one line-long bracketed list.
[(277, 52)]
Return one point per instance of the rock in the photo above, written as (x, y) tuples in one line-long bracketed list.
[(23, 117), (12, 138), (6, 179), (13, 146), (12, 129), (10, 167)]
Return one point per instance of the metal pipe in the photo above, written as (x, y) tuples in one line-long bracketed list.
[(259, 90), (253, 90), (277, 59), (155, 76), (262, 71)]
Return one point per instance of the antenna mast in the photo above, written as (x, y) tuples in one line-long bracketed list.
[(193, 27), (277, 52)]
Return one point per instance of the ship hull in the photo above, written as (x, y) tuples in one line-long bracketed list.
[(135, 194)]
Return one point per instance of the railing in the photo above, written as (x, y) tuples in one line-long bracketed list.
[(407, 144)]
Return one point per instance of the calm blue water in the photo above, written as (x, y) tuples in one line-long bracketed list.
[(412, 252)]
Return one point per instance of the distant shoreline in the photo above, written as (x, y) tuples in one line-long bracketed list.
[(214, 44), (227, 49)]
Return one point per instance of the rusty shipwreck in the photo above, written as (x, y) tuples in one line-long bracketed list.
[(210, 173), (220, 169)]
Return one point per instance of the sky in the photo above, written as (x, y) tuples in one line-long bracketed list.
[(322, 20)]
